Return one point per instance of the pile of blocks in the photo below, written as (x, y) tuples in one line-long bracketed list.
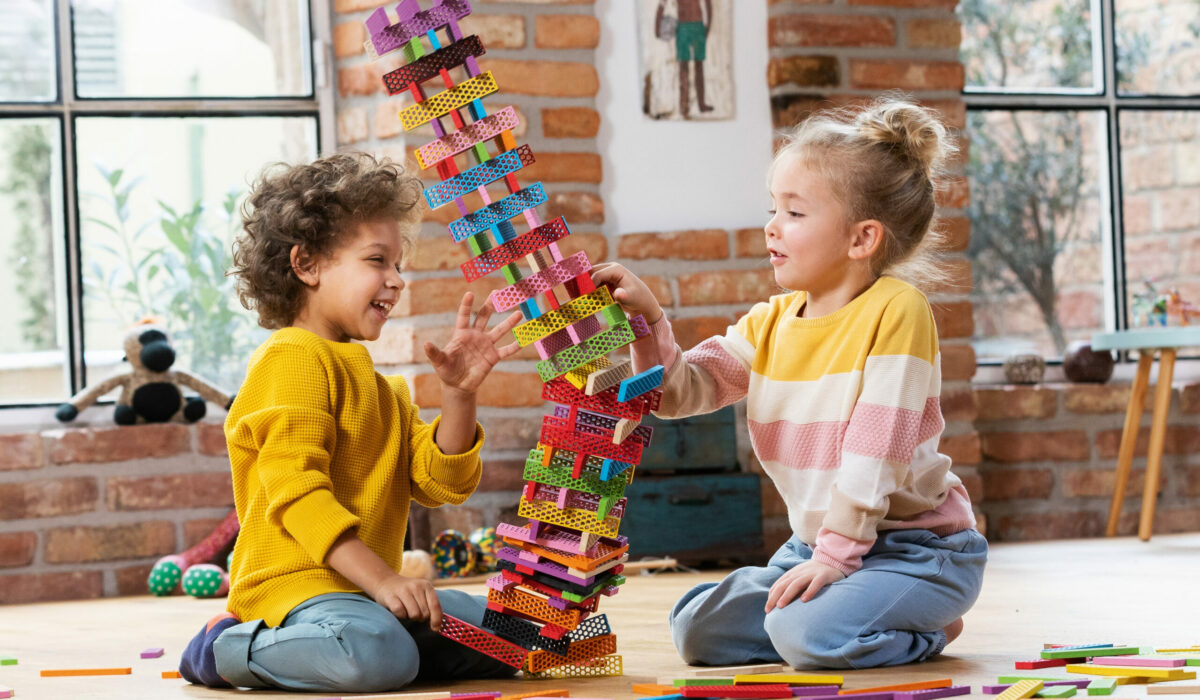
[(556, 568)]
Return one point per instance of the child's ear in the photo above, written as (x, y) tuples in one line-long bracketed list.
[(866, 237), (304, 266)]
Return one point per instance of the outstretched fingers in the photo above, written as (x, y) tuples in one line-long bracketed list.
[(463, 320)]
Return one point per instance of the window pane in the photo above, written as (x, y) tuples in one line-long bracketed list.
[(1160, 182), (158, 208), (33, 332), (182, 48), (27, 57), (1158, 47), (1045, 45), (1037, 236)]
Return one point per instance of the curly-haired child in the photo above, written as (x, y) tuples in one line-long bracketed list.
[(327, 453), (841, 379)]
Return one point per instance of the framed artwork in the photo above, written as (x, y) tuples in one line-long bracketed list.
[(686, 49)]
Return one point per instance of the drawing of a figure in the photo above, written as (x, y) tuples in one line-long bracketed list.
[(691, 46)]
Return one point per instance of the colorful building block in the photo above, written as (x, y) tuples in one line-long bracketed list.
[(933, 693), (1045, 663), (8, 661), (789, 678), (523, 633), (1173, 689), (640, 383), (511, 251), (760, 690), (541, 281), (152, 653), (812, 691), (479, 175), (1145, 661), (919, 685), (1072, 652), (483, 641), (430, 66), (1057, 691), (1168, 674), (5, 691), (654, 689), (610, 665), (386, 37), (1102, 686), (1020, 689), (612, 376), (480, 220), (57, 672), (171, 674)]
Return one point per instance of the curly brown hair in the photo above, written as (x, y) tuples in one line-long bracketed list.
[(312, 206)]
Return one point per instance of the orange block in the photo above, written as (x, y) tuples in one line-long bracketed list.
[(654, 689), (920, 685), (559, 693), (49, 672), (171, 674)]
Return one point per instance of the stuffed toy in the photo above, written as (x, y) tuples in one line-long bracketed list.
[(150, 390), (192, 571)]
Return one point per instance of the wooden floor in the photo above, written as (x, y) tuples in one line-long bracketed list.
[(1083, 591)]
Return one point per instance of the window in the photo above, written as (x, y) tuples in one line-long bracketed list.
[(1084, 126), (130, 131)]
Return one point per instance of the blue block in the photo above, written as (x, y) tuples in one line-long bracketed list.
[(640, 383), (611, 468)]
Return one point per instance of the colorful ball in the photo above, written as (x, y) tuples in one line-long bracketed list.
[(486, 545), (205, 581), (165, 575), (452, 555)]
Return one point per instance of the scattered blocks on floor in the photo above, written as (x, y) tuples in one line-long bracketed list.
[(5, 691), (789, 678), (1045, 663), (172, 674), (654, 689), (1073, 652), (1102, 686), (55, 672), (1174, 689), (8, 661), (152, 653), (1020, 689), (920, 685)]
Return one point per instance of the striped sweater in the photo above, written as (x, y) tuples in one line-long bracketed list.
[(843, 412)]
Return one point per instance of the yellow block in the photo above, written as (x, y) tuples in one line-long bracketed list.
[(1167, 674), (1020, 689), (788, 679)]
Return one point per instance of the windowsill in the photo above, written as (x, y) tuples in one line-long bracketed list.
[(40, 419), (1186, 371)]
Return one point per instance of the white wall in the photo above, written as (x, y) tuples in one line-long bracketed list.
[(672, 175)]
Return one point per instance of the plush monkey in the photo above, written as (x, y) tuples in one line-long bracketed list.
[(150, 390)]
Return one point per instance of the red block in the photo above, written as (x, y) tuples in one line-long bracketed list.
[(1045, 663), (765, 690)]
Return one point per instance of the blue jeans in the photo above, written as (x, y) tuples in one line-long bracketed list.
[(891, 611), (345, 642)]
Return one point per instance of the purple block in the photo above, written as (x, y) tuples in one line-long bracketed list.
[(859, 696), (932, 693), (810, 690), (152, 653), (547, 567), (997, 689), (493, 693)]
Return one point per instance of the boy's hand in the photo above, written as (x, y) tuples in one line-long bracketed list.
[(809, 577), (472, 353), (410, 599), (628, 290)]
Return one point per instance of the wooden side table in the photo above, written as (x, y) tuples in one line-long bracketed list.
[(1147, 341)]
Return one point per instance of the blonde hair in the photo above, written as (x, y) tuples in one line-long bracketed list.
[(882, 161)]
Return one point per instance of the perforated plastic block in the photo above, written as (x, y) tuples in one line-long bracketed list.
[(556, 433), (599, 667), (574, 499), (578, 376), (510, 251), (578, 562), (594, 626), (523, 633), (386, 37), (578, 652), (569, 517), (601, 344), (562, 391), (558, 473), (483, 641), (497, 212), (569, 313), (581, 590), (429, 65), (601, 425), (608, 377), (456, 142), (535, 564), (478, 176), (541, 281), (613, 468), (561, 542), (640, 328), (444, 102), (532, 606), (640, 383), (558, 598)]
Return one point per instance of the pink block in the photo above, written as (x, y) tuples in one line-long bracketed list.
[(1156, 661)]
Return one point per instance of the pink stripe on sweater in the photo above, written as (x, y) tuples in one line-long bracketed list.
[(932, 422), (806, 446), (883, 432), (730, 378)]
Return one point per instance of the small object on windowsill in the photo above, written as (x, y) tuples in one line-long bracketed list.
[(1083, 364), (1024, 369)]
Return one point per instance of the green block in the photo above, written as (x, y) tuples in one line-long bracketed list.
[(1102, 686), (1057, 691), (681, 682), (8, 661), (1192, 662), (1014, 679), (1090, 651)]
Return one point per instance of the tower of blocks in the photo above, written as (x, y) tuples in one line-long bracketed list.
[(542, 607)]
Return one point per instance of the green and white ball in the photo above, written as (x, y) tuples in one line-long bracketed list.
[(205, 581), (165, 575)]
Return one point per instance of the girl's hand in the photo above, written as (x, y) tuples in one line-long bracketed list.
[(471, 353), (628, 290), (810, 577), (410, 599)]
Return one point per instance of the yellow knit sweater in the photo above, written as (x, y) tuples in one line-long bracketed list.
[(320, 443)]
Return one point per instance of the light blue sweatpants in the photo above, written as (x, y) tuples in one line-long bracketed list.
[(891, 611), (344, 642)]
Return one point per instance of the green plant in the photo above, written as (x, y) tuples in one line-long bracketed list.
[(27, 181), (180, 277)]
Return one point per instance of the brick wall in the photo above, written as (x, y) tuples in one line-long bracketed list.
[(85, 512)]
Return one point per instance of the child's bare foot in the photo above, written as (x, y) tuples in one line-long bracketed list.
[(952, 630)]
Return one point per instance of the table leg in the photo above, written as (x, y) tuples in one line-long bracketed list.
[(1133, 417), (1158, 429)]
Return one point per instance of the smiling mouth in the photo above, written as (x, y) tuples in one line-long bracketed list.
[(385, 307)]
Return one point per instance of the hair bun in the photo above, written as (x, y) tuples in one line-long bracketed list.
[(915, 131)]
